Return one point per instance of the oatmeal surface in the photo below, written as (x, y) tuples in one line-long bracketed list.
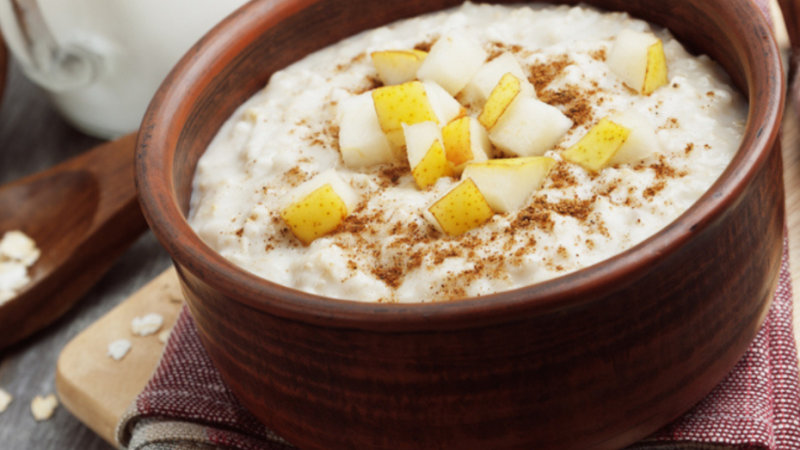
[(386, 250)]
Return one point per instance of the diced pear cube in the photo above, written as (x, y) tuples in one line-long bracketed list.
[(596, 149), (361, 140), (397, 66), (425, 153), (432, 167), (529, 128), (638, 59), (461, 209), (419, 138), (642, 140), (444, 105), (503, 95), (488, 76), (465, 141), (405, 103), (318, 206), (507, 184), (452, 62)]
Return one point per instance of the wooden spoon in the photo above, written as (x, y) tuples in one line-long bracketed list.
[(82, 214)]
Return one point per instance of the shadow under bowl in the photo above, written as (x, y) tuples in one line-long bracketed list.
[(596, 359)]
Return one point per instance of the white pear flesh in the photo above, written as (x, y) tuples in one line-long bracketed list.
[(529, 127), (445, 107), (479, 141), (419, 138), (484, 81), (362, 143), (397, 66), (642, 140), (330, 176), (507, 184), (628, 57), (465, 142), (452, 62)]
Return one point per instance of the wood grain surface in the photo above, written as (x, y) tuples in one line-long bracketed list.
[(94, 387), (82, 213), (32, 138)]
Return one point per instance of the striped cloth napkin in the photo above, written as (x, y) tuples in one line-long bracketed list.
[(186, 405)]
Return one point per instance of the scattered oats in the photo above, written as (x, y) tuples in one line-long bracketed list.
[(164, 336), (119, 348), (5, 400), (147, 325), (17, 246), (13, 276), (42, 408), (17, 253), (6, 296)]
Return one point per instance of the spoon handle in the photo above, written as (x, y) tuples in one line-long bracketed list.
[(66, 270)]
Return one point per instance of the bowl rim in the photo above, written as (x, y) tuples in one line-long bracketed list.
[(193, 258), (3, 67)]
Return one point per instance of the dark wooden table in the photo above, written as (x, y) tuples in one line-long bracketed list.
[(33, 137)]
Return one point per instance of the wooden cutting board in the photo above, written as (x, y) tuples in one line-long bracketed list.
[(94, 387)]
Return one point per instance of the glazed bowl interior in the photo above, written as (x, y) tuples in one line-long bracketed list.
[(236, 59)]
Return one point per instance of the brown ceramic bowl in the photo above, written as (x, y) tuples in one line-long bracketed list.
[(3, 66), (596, 359)]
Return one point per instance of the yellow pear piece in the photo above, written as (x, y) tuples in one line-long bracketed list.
[(481, 85), (432, 167), (405, 103), (316, 215), (507, 184), (397, 66), (457, 141), (461, 209), (499, 100), (596, 149), (465, 141), (317, 207), (656, 73), (426, 156), (641, 143), (638, 59)]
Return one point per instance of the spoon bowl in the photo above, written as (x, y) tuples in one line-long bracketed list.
[(82, 214)]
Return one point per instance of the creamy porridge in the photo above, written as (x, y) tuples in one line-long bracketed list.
[(391, 245)]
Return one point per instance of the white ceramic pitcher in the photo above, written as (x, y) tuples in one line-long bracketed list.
[(102, 60)]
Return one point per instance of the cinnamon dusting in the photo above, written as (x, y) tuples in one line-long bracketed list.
[(579, 102), (425, 46), (543, 73)]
